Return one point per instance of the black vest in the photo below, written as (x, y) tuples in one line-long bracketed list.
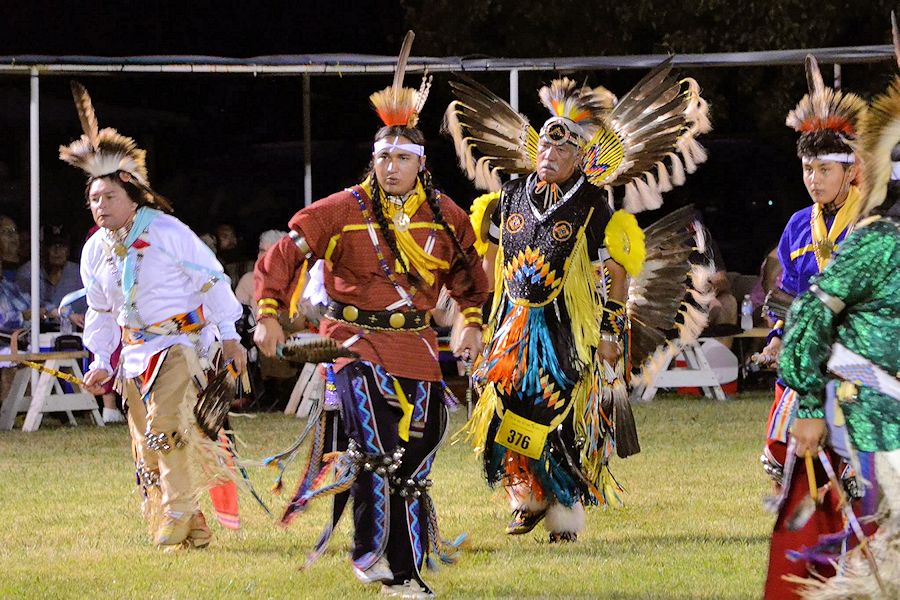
[(536, 247)]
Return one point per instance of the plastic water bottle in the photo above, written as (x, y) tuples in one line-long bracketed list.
[(65, 325), (747, 314)]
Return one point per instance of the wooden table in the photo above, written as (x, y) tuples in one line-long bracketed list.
[(48, 395)]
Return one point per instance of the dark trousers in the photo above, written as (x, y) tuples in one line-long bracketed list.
[(386, 523)]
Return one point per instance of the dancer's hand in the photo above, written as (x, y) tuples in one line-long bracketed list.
[(469, 341), (94, 380), (268, 336), (769, 355), (233, 351), (609, 351), (809, 434)]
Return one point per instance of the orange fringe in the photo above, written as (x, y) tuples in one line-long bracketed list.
[(518, 471), (508, 368)]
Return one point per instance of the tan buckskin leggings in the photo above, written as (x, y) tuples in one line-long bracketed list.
[(164, 411)]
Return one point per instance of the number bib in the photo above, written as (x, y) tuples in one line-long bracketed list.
[(521, 435)]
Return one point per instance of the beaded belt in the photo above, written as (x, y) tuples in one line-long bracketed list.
[(382, 320), (189, 322)]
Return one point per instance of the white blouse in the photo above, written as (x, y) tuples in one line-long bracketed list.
[(170, 277)]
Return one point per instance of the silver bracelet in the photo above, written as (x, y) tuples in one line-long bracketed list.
[(835, 305), (606, 336)]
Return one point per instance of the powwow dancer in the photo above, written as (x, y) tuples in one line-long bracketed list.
[(563, 322), (827, 122), (841, 342), (389, 244), (152, 285)]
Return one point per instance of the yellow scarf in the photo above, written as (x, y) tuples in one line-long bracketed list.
[(423, 263), (825, 242)]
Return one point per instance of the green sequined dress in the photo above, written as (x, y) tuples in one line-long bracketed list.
[(865, 275)]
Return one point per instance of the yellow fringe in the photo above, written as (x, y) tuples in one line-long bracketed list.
[(611, 489), (582, 301), (499, 287), (475, 430)]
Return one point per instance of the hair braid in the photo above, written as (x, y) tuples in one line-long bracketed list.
[(433, 202), (380, 217)]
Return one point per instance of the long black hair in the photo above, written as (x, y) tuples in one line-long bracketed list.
[(431, 196)]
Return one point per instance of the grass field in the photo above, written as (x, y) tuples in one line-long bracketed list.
[(693, 526)]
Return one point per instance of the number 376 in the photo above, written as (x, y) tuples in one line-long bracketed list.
[(517, 439)]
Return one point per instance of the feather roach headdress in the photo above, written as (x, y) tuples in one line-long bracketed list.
[(397, 105), (102, 152), (826, 119)]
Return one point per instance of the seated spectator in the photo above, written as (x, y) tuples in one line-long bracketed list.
[(230, 253), (210, 241), (9, 247), (769, 279), (59, 276), (244, 289)]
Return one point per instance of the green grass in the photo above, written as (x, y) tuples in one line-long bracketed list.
[(693, 526)]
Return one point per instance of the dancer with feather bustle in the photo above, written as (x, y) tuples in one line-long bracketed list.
[(565, 320)]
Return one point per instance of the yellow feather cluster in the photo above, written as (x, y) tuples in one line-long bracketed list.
[(480, 216), (625, 241)]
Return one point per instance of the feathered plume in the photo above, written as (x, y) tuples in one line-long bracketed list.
[(101, 152), (397, 105), (824, 108), (879, 132), (895, 37), (583, 105), (86, 114)]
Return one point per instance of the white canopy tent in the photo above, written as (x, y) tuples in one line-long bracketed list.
[(353, 64)]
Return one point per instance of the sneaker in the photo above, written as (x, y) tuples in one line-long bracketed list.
[(524, 521), (379, 572), (199, 536), (112, 416), (174, 529), (408, 589), (563, 537)]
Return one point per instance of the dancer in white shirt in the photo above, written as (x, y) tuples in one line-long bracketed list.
[(154, 287)]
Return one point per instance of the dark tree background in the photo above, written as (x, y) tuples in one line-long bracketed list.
[(229, 148)]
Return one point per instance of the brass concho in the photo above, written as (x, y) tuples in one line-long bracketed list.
[(562, 230), (515, 222), (397, 320), (350, 313)]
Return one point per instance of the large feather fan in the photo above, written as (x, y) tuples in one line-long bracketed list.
[(482, 123), (879, 133), (656, 124), (670, 293), (645, 142)]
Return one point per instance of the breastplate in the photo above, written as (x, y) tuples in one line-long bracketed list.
[(537, 246)]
